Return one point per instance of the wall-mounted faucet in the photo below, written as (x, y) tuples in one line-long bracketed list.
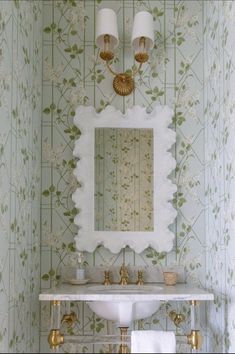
[(124, 275)]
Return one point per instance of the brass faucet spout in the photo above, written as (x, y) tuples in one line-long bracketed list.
[(124, 275)]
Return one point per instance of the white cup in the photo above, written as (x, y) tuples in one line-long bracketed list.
[(80, 274)]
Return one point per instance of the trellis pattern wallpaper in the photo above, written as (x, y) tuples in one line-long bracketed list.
[(74, 74), (219, 110), (192, 70), (20, 173)]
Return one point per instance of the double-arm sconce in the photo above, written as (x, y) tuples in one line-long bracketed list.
[(107, 40)]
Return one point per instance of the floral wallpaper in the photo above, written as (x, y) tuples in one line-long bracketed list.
[(20, 174), (73, 74), (219, 109), (123, 179)]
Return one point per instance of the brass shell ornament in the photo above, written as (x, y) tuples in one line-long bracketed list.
[(123, 84)]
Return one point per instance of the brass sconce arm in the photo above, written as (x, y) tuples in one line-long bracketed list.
[(123, 83), (110, 69), (134, 72), (137, 70)]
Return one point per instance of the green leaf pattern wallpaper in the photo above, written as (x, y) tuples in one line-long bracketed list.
[(219, 113), (49, 65), (20, 173)]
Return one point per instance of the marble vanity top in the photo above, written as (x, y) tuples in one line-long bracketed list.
[(159, 291)]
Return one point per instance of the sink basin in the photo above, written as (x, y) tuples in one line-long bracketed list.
[(126, 311), (124, 289)]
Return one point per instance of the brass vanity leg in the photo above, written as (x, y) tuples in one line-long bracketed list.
[(55, 337), (195, 337), (123, 348)]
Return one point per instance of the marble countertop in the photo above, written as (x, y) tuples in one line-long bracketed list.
[(159, 291)]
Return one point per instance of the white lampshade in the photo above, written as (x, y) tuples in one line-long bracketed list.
[(143, 27), (106, 23)]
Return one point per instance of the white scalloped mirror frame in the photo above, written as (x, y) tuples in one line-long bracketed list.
[(161, 239)]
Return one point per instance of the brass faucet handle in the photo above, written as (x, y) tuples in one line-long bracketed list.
[(140, 279), (107, 280)]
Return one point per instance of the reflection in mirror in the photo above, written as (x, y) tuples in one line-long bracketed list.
[(123, 179)]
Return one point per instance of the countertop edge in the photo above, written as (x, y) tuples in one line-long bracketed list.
[(121, 297)]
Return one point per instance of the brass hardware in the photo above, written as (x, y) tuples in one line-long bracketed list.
[(123, 348), (141, 57), (107, 277), (177, 318), (55, 338), (106, 55), (140, 280), (55, 302), (194, 302), (123, 84), (124, 275), (69, 319), (195, 339)]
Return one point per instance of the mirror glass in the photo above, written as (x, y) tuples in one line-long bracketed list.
[(123, 179)]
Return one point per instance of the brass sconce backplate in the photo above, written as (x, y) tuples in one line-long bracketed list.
[(123, 84)]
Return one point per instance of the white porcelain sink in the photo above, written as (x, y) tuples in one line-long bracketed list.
[(126, 311), (125, 289)]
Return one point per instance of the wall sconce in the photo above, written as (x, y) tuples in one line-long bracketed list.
[(107, 40)]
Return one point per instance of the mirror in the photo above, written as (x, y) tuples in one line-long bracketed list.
[(123, 168), (123, 179)]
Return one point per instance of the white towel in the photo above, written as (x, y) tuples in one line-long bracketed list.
[(153, 342)]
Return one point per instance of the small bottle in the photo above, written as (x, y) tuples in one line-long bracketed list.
[(80, 270)]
